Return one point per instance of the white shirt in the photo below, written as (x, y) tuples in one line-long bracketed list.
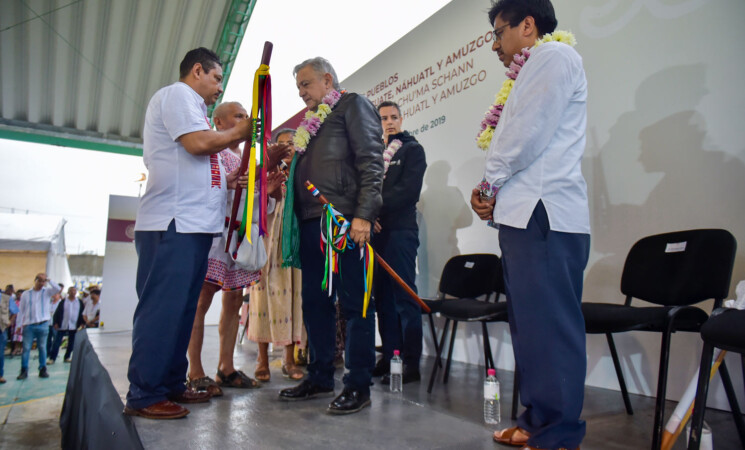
[(90, 310), (188, 188), (536, 151), (36, 306), (70, 314)]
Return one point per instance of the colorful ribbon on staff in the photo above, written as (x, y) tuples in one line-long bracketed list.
[(261, 117), (335, 240)]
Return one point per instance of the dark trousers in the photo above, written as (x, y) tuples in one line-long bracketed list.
[(59, 334), (52, 335), (319, 314), (399, 318), (543, 279), (170, 273)]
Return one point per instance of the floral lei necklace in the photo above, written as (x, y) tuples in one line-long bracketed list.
[(313, 120), (491, 118), (389, 152)]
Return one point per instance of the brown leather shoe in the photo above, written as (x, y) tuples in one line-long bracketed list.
[(190, 396), (514, 436), (160, 410)]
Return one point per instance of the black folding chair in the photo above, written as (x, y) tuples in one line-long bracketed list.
[(725, 329), (464, 279), (673, 270)]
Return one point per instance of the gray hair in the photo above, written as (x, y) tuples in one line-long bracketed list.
[(280, 132), (218, 112), (321, 66)]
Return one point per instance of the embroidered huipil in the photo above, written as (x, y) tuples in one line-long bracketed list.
[(536, 151)]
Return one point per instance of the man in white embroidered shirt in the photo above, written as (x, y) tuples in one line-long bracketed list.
[(182, 208), (34, 316), (536, 194)]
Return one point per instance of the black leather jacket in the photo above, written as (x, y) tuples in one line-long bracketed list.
[(344, 161)]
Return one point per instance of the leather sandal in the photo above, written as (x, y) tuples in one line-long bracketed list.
[(262, 374), (507, 437), (236, 379), (205, 384), (292, 372)]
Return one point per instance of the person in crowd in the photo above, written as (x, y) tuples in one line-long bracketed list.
[(275, 309), (182, 208), (396, 240), (92, 311), (67, 319), (533, 189), (55, 301), (34, 315), (339, 150), (4, 325), (13, 303), (223, 273), (16, 344)]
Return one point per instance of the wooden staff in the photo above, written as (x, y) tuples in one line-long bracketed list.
[(233, 223), (317, 194)]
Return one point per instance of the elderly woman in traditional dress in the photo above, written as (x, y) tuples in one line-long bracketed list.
[(275, 309)]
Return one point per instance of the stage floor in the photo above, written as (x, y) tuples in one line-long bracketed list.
[(451, 417)]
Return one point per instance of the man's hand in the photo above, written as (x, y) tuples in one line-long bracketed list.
[(377, 227), (359, 231), (232, 179), (484, 209), (276, 153), (56, 327), (274, 180)]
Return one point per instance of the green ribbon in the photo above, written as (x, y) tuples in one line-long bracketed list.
[(290, 225)]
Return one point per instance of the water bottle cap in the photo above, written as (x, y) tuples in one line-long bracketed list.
[(396, 352), (492, 372)]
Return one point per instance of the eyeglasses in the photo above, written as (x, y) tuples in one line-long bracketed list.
[(499, 31)]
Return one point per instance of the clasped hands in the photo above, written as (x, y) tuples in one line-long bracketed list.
[(483, 208)]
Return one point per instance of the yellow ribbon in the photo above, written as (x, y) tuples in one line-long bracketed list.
[(250, 189)]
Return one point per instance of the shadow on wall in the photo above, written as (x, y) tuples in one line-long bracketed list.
[(686, 184), (443, 211)]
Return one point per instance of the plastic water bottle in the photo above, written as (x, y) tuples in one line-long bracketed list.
[(492, 413), (397, 370)]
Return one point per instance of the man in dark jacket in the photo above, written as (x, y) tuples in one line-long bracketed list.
[(396, 240), (340, 152), (68, 317)]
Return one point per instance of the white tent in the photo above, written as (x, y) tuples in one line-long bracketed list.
[(37, 233)]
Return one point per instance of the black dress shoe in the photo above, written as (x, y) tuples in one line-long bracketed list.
[(43, 373), (382, 367), (23, 375), (348, 402), (305, 391), (409, 376)]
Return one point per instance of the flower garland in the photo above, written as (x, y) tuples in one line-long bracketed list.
[(313, 120), (389, 152), (491, 118)]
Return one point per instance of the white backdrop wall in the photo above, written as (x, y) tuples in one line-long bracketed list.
[(118, 296), (665, 148)]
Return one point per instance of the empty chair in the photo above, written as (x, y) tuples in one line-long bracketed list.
[(672, 270), (725, 329)]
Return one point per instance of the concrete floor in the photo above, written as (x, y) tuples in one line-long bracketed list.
[(449, 418), (30, 408)]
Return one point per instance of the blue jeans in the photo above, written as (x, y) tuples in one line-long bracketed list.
[(170, 273), (319, 314), (3, 342), (38, 331)]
